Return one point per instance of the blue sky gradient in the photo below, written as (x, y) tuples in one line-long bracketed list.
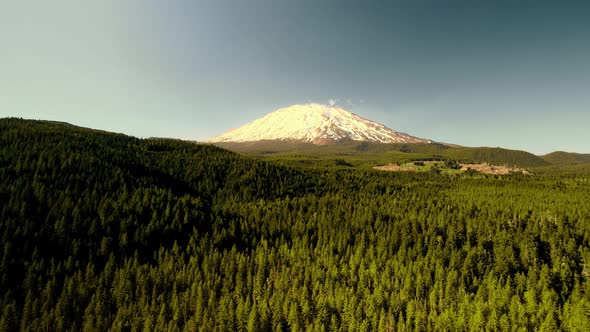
[(514, 74)]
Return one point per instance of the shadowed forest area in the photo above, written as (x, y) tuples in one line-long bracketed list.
[(104, 231)]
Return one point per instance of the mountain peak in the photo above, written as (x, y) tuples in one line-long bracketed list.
[(315, 123)]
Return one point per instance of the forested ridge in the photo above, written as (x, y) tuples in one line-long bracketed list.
[(567, 158), (371, 153), (105, 231)]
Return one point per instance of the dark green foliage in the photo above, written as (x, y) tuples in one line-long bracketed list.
[(102, 231), (341, 162)]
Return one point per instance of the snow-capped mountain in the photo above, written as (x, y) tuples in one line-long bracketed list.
[(315, 123)]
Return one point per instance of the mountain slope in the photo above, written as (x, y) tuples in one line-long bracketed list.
[(381, 153), (315, 123), (567, 158)]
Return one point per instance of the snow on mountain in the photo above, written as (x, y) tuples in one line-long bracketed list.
[(315, 123)]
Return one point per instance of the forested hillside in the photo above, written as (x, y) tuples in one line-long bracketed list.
[(372, 154), (496, 156), (567, 158), (103, 231)]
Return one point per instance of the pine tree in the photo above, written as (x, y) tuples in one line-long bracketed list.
[(253, 321)]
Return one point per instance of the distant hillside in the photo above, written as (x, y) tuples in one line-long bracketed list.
[(566, 158), (496, 156), (348, 147), (388, 153)]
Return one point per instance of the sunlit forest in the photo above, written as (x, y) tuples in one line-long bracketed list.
[(102, 231)]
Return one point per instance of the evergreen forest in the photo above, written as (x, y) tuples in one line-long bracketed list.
[(102, 231)]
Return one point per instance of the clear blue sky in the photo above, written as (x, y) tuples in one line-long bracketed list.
[(514, 73)]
